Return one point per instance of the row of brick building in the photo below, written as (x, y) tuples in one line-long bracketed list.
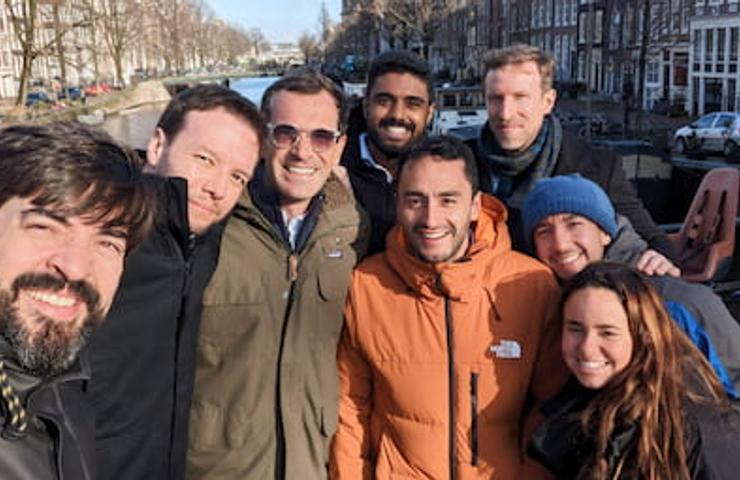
[(690, 46)]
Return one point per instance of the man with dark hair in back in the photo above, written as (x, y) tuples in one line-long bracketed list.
[(265, 401), (398, 106), (202, 154), (72, 205)]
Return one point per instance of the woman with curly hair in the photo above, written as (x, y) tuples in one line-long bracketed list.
[(644, 403)]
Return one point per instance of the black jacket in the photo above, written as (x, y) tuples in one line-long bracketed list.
[(58, 442), (373, 192), (603, 167), (711, 438), (143, 356)]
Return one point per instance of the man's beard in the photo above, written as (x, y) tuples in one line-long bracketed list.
[(54, 345), (392, 151)]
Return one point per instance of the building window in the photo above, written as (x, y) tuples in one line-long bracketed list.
[(651, 73), (680, 66), (614, 32), (731, 94), (598, 26), (697, 38), (573, 11)]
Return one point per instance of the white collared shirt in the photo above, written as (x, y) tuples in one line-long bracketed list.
[(293, 226), (368, 159)]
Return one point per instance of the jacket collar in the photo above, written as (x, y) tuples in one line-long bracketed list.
[(29, 386), (490, 239), (172, 207), (335, 208)]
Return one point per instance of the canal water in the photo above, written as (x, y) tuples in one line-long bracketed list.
[(135, 127)]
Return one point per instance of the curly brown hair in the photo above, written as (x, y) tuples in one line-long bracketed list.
[(665, 371)]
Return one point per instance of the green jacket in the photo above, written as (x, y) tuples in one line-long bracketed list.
[(266, 383)]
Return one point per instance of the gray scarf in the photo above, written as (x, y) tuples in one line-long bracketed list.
[(512, 176)]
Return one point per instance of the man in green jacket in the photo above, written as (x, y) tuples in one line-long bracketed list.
[(265, 402)]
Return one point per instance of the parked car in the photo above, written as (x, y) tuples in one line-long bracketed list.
[(93, 89), (717, 132), (71, 93), (37, 98)]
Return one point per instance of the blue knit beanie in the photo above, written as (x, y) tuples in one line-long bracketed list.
[(568, 194)]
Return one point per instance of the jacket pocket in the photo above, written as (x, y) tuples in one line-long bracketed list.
[(334, 270), (212, 428), (474, 418)]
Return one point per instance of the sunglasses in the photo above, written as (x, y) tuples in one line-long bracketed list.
[(285, 136)]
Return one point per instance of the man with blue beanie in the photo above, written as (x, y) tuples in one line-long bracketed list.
[(570, 222)]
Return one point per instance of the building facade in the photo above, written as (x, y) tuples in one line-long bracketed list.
[(687, 49), (713, 57)]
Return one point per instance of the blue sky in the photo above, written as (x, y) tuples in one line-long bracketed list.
[(279, 20)]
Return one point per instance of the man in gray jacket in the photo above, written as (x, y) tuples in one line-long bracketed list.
[(571, 223), (265, 401)]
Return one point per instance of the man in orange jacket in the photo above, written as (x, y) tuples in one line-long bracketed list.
[(450, 336)]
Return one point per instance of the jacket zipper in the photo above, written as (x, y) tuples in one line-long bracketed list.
[(450, 379), (187, 255), (474, 418), (292, 276)]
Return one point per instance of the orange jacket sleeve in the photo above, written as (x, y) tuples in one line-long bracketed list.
[(351, 452)]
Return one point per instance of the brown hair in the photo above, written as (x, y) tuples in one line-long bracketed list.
[(665, 371), (308, 82), (520, 53), (78, 171), (205, 97)]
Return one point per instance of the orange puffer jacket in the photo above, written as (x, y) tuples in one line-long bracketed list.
[(440, 362)]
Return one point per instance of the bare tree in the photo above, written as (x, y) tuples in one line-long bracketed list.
[(168, 14), (23, 16), (258, 41), (309, 46), (411, 20), (119, 20), (199, 41), (59, 29), (29, 19), (325, 27)]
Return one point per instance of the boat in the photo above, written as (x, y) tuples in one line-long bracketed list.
[(459, 111)]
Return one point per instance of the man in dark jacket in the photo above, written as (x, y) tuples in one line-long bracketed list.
[(521, 142), (397, 107), (71, 206), (203, 152)]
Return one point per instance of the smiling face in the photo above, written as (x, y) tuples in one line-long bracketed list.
[(567, 243), (397, 110), (435, 208), (516, 104), (58, 278), (216, 152), (596, 340), (299, 172)]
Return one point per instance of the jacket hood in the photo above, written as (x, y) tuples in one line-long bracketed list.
[(627, 246), (490, 239)]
